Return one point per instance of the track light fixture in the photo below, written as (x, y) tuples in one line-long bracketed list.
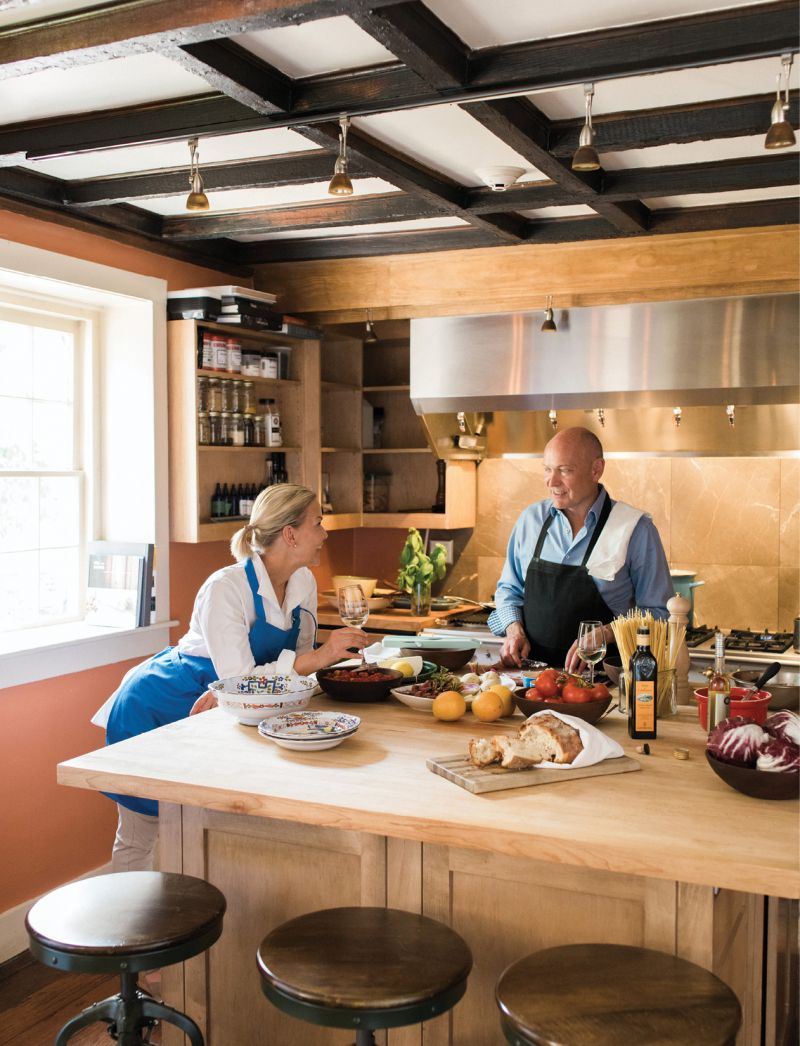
[(340, 184), (197, 199), (780, 135), (549, 323), (370, 337), (601, 417), (677, 416), (586, 158), (552, 417), (730, 410)]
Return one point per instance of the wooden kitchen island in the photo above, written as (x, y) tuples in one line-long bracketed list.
[(668, 857)]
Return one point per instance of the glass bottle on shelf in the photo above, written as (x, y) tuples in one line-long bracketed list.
[(214, 395), (214, 428), (248, 402), (217, 504), (225, 433), (203, 428), (205, 355), (237, 430), (249, 430), (236, 396), (202, 393), (719, 686), (226, 500), (225, 389), (234, 356)]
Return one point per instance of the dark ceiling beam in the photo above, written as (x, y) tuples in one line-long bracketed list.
[(520, 125), (237, 73), (364, 210), (367, 246), (643, 128), (417, 181), (711, 38), (115, 30), (731, 216), (420, 40), (289, 169)]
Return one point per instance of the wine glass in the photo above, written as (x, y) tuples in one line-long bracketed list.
[(591, 644), (353, 606)]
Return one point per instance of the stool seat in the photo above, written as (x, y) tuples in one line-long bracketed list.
[(606, 994), (364, 967), (124, 923), (127, 920)]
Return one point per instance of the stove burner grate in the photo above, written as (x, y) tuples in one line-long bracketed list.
[(766, 642)]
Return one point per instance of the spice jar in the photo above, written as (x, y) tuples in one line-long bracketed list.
[(214, 428), (259, 439), (220, 352), (248, 401), (203, 428), (249, 430), (225, 387), (214, 395), (251, 363), (234, 356), (236, 396), (225, 433), (202, 394), (237, 430)]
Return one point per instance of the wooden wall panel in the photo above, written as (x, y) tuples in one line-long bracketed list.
[(502, 279)]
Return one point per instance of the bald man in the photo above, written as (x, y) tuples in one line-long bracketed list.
[(575, 556)]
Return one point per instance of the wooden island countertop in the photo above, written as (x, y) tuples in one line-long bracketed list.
[(672, 820)]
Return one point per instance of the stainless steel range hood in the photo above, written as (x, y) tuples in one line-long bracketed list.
[(639, 360)]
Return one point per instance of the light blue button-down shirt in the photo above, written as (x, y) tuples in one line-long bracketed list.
[(644, 580)]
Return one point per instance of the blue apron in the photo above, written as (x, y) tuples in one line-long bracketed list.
[(163, 689)]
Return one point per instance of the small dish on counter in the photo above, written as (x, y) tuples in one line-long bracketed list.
[(309, 731), (423, 704), (360, 683)]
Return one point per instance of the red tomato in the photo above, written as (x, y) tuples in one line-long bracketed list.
[(599, 692), (574, 693), (547, 683)]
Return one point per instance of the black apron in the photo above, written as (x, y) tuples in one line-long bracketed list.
[(558, 597)]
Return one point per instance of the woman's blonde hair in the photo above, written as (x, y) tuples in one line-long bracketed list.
[(283, 505)]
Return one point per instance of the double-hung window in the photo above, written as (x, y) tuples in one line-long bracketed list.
[(45, 467)]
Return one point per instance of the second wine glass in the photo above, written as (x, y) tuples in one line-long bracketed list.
[(591, 644), (353, 606)]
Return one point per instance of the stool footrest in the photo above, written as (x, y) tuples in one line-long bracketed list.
[(128, 1014)]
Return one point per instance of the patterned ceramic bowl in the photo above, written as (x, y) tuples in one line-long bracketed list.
[(253, 698)]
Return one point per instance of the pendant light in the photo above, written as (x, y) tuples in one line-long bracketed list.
[(586, 158), (340, 184), (780, 135), (197, 199), (549, 324), (601, 417), (677, 417), (730, 411), (370, 338), (552, 417)]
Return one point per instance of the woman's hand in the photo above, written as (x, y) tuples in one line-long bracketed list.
[(203, 703), (342, 643)]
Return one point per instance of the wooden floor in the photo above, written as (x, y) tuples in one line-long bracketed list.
[(36, 1001)]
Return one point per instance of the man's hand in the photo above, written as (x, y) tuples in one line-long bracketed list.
[(573, 662), (203, 703), (516, 645)]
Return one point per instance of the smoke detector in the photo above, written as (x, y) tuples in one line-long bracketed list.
[(499, 178)]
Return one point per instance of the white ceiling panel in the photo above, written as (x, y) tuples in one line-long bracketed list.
[(688, 152), (358, 230), (558, 212), (101, 85), (219, 149), (446, 139), (325, 46), (482, 24), (678, 87), (718, 198), (251, 199)]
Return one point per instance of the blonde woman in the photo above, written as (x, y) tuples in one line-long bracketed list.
[(245, 617)]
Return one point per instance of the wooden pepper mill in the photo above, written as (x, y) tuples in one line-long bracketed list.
[(679, 608)]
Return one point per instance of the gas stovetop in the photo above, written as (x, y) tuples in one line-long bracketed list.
[(740, 640)]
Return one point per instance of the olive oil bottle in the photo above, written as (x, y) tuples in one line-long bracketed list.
[(644, 687)]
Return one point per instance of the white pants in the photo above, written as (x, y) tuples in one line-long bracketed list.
[(135, 843)]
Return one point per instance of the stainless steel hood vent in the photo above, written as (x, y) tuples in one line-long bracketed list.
[(653, 354), (496, 386)]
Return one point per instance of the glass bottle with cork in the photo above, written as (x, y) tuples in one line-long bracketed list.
[(644, 687), (719, 686)]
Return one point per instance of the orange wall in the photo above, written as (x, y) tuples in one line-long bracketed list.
[(51, 834)]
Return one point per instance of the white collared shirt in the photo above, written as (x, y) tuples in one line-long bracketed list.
[(224, 613)]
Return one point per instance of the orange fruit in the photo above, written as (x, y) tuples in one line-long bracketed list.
[(488, 706), (505, 697), (449, 706)]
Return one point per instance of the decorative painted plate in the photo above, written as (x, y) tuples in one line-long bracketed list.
[(309, 731)]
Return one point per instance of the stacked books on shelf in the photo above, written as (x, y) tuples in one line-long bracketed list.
[(238, 306)]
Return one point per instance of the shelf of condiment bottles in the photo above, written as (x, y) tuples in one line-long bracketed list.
[(236, 376)]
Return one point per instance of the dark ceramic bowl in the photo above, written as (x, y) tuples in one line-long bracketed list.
[(759, 784), (451, 659), (589, 712), (612, 666), (359, 689)]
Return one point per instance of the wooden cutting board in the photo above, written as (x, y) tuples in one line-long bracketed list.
[(460, 771)]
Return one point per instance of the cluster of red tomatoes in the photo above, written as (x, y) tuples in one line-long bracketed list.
[(552, 685)]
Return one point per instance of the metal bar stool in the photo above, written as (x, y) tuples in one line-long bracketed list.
[(607, 994), (363, 968), (126, 922)]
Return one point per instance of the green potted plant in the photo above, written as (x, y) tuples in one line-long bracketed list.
[(418, 571)]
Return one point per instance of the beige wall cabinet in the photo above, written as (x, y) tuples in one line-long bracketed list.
[(377, 467), (194, 469)]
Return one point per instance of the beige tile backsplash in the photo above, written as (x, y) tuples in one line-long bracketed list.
[(734, 521)]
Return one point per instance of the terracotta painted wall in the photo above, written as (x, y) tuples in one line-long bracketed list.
[(51, 834)]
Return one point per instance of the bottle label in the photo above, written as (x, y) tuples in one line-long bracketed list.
[(644, 713)]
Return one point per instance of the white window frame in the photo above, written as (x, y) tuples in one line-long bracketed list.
[(132, 311)]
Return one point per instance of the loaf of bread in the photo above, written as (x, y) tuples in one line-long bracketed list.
[(541, 739)]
